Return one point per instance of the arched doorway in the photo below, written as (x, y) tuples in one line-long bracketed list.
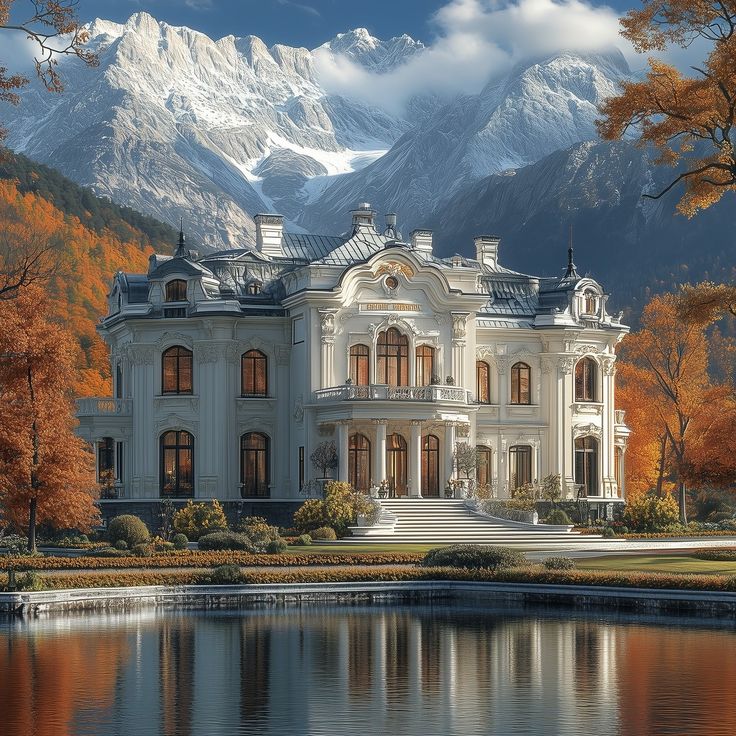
[(396, 464), (359, 462), (430, 466), (586, 465)]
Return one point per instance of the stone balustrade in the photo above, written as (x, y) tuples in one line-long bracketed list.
[(378, 392), (96, 406)]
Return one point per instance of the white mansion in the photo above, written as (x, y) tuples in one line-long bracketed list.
[(230, 368)]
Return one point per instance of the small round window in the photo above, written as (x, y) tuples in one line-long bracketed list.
[(392, 282)]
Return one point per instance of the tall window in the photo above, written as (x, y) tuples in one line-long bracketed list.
[(396, 463), (590, 302), (301, 467), (483, 466), (119, 381), (424, 365), (586, 464), (521, 384), (586, 380), (430, 466), (482, 382), (359, 462), (520, 466), (176, 291), (176, 368), (253, 374), (392, 365), (254, 465), (106, 461), (359, 362), (177, 464)]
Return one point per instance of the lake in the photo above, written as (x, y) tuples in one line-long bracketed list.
[(424, 670)]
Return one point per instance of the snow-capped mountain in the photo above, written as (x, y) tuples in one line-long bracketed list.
[(173, 122)]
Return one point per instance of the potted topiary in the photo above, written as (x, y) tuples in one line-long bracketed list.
[(324, 458)]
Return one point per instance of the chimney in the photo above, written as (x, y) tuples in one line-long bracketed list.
[(421, 240), (269, 229), (363, 217), (486, 250)]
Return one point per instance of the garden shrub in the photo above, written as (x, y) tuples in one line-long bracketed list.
[(718, 516), (259, 531), (304, 540), (276, 547), (713, 500), (559, 563), (226, 575), (326, 533), (226, 540), (646, 513), (129, 529), (121, 544), (197, 519), (339, 509), (143, 550), (608, 532), (180, 541), (474, 556), (107, 552), (557, 517), (310, 515)]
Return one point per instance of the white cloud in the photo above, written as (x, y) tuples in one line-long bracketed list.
[(18, 53), (477, 39)]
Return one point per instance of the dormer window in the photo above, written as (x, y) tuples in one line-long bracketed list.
[(589, 306), (254, 288), (176, 291)]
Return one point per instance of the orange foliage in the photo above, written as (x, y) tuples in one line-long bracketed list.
[(674, 113), (77, 292), (46, 471)]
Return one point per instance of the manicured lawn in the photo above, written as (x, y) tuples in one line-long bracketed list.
[(336, 549), (680, 563)]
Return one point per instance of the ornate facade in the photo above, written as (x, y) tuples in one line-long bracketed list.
[(231, 368)]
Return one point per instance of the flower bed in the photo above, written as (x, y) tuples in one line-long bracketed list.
[(532, 574), (190, 558)]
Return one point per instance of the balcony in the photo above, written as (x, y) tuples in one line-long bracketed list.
[(377, 392), (103, 407)]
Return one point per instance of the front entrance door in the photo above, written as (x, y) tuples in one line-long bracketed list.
[(396, 464)]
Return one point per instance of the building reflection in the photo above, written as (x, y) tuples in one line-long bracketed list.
[(416, 670)]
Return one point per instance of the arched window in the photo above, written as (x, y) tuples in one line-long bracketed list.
[(392, 353), (586, 380), (586, 465), (520, 466), (430, 466), (254, 374), (254, 465), (176, 291), (482, 382), (483, 467), (590, 302), (424, 365), (254, 288), (176, 371), (177, 464), (396, 463), (359, 462), (521, 384), (359, 365)]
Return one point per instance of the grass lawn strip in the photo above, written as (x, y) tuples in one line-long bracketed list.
[(664, 563)]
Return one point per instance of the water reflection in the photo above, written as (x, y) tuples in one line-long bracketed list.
[(418, 670)]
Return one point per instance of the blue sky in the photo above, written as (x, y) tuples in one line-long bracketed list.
[(293, 22)]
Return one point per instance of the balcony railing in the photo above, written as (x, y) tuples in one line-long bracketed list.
[(96, 407), (377, 392)]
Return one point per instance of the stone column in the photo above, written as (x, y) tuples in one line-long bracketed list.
[(415, 460), (565, 384), (379, 453), (449, 450), (342, 450), (458, 347), (327, 321)]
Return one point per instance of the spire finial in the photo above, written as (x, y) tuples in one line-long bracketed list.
[(572, 271), (180, 248)]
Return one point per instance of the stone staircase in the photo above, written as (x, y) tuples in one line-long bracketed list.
[(449, 521)]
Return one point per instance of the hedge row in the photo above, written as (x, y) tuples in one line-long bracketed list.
[(534, 574), (208, 559), (715, 555)]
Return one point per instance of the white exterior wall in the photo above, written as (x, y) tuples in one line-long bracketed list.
[(332, 309)]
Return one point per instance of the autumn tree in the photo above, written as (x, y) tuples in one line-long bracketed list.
[(53, 28), (46, 471), (670, 358), (689, 120)]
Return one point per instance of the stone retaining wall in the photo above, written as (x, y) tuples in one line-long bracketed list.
[(248, 596)]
